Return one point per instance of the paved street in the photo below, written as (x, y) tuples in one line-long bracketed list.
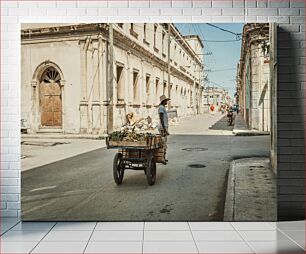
[(82, 187)]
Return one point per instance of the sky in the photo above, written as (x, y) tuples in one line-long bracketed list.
[(225, 55)]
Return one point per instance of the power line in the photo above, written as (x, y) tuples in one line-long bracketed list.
[(238, 35), (228, 69), (222, 41), (200, 32), (202, 35), (174, 37), (224, 87)]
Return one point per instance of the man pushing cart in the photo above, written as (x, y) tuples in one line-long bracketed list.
[(139, 150), (164, 124)]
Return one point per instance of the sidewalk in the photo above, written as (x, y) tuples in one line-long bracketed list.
[(241, 128), (251, 191), (62, 136), (36, 152)]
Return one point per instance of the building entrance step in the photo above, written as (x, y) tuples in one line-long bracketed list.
[(50, 130)]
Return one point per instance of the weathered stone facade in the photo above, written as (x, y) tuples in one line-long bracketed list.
[(253, 86), (64, 74), (216, 96)]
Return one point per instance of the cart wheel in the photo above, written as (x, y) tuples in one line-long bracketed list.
[(151, 171), (118, 168)]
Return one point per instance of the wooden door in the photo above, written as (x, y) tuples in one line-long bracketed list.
[(50, 103)]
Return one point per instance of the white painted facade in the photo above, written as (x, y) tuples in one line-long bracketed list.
[(253, 87), (216, 96), (79, 53)]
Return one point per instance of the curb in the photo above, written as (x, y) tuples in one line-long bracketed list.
[(239, 201), (249, 133), (46, 136), (229, 206)]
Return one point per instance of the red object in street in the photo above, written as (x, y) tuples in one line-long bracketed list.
[(212, 107)]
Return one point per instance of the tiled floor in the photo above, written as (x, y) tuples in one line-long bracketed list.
[(152, 237)]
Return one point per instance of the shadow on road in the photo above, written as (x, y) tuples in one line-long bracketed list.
[(222, 125)]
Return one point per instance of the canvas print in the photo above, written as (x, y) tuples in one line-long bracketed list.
[(148, 122)]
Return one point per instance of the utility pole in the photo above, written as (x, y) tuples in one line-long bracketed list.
[(169, 86), (110, 85), (200, 90), (213, 90), (193, 98)]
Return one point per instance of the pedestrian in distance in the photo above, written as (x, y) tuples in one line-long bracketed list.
[(230, 116)]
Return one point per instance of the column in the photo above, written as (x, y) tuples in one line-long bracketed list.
[(103, 84), (35, 120), (83, 107), (128, 83), (89, 79), (95, 108), (100, 82)]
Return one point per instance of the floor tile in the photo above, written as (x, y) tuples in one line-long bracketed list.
[(276, 247), (166, 226), (9, 220), (114, 247), (33, 226), (120, 226), (69, 236), (99, 236), (222, 226), (3, 230), (8, 224), (70, 226), (5, 226), (291, 225), (17, 247), (23, 236), (169, 247), (216, 236), (60, 247), (223, 247), (253, 226), (167, 236), (301, 243), (273, 224), (296, 235), (263, 235)]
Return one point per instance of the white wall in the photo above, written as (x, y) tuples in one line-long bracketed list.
[(67, 56)]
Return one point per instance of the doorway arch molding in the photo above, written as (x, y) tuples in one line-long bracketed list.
[(35, 82), (40, 70)]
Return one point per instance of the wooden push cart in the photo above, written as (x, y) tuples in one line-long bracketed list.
[(140, 155)]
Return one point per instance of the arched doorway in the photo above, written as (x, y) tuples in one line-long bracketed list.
[(50, 98)]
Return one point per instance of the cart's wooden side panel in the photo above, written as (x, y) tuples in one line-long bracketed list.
[(131, 153), (152, 142), (127, 143), (159, 155)]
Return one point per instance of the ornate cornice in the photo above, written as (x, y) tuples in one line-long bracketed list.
[(120, 40), (252, 33)]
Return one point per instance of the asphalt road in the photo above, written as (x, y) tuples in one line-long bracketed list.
[(82, 187)]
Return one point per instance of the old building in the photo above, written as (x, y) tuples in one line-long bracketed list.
[(216, 96), (253, 82), (66, 83)]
